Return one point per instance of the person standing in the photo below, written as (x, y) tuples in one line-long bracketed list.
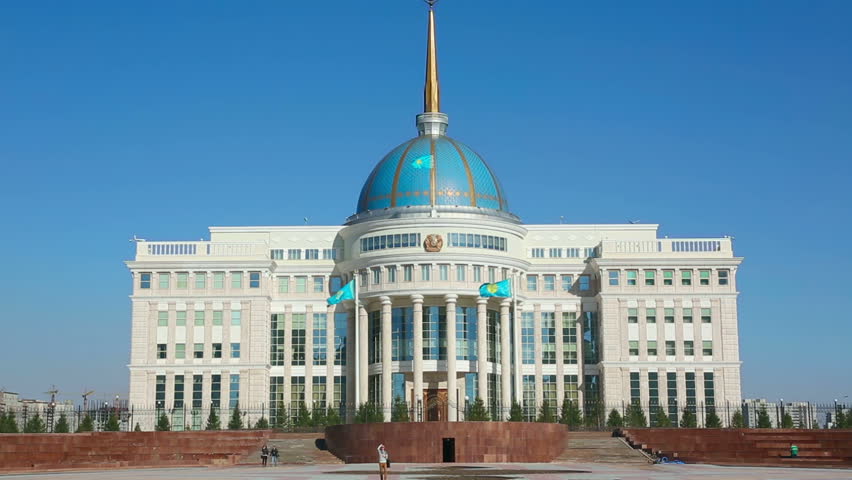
[(274, 454), (264, 454), (383, 462)]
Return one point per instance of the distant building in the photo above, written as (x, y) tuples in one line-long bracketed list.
[(802, 413), (751, 408)]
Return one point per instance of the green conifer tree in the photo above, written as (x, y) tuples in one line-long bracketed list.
[(737, 420), (112, 424), (516, 413), (137, 428), (614, 420), (35, 425), (213, 421), (303, 416), (546, 413), (163, 424), (399, 412), (318, 415), (236, 422), (281, 419), (594, 417), (786, 421), (570, 413), (763, 418), (332, 416), (262, 424), (87, 425), (477, 412), (688, 418), (712, 420), (661, 420), (62, 424), (635, 416)]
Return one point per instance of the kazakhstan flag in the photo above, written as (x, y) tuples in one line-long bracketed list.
[(347, 292), (499, 289), (422, 162)]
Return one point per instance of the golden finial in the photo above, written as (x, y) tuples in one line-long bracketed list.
[(432, 91)]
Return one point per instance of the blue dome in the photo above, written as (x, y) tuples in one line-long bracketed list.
[(432, 170)]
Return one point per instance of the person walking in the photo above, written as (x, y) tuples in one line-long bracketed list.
[(264, 454), (274, 454), (384, 462)]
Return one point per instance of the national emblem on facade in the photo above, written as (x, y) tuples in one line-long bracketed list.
[(433, 243)]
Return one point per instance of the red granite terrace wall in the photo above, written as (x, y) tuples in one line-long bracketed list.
[(421, 442)]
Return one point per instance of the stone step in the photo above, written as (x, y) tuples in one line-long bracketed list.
[(599, 447)]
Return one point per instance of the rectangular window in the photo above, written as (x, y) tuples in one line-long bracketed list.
[(632, 315), (318, 392), (537, 253), (569, 338), (688, 348), (236, 317), (570, 384), (690, 391), (374, 345), (197, 390), (477, 273), (492, 334), (178, 393), (723, 276), (650, 277), (548, 338), (687, 315), (164, 280), (532, 283), (527, 338), (613, 277), (670, 348), (162, 319), (294, 253), (653, 396), (200, 280), (329, 254), (218, 280), (312, 254), (283, 284), (492, 274), (180, 320), (548, 392), (234, 394), (709, 390), (407, 273), (549, 283), (704, 277), (555, 253), (198, 350), (341, 322), (161, 351), (199, 318), (707, 348), (633, 347), (276, 340), (425, 272), (706, 315), (254, 279), (652, 348), (235, 350), (585, 283), (650, 315), (276, 254), (460, 271), (217, 317), (669, 315), (145, 280), (215, 391), (529, 398), (634, 388), (180, 350), (631, 277), (392, 274), (297, 337), (686, 277), (236, 279), (668, 277), (567, 283), (217, 350), (160, 395), (376, 275), (671, 394), (319, 284), (301, 284), (444, 272), (182, 280), (320, 342)]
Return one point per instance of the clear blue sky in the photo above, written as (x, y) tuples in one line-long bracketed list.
[(162, 118)]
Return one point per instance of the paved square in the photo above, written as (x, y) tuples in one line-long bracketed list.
[(445, 472)]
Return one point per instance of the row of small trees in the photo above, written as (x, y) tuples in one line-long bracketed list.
[(214, 422), (35, 424)]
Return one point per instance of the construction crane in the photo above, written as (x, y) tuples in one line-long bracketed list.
[(51, 407), (86, 399)]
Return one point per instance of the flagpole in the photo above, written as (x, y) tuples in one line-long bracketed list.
[(517, 330), (357, 317)]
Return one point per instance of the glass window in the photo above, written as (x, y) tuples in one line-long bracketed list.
[(707, 348), (276, 339), (198, 350), (633, 347), (444, 272), (613, 277), (477, 273), (162, 319), (329, 253), (217, 317), (294, 253), (532, 283), (688, 348), (632, 315), (492, 274), (254, 279), (301, 284), (236, 279), (650, 315), (297, 338), (706, 315), (161, 351), (283, 284), (548, 338), (312, 254), (235, 350), (527, 338), (163, 280), (234, 395), (199, 318), (217, 350), (236, 317), (650, 277), (723, 276), (376, 275), (687, 315), (669, 315), (460, 271), (529, 398), (668, 277), (200, 280), (670, 348), (319, 284), (652, 348), (145, 280), (215, 390), (341, 322), (549, 283), (392, 274), (320, 343), (555, 253), (182, 280), (537, 253), (584, 283), (219, 280), (337, 282), (567, 283), (569, 338), (407, 273), (704, 277), (631, 277), (425, 272), (180, 350), (686, 277)]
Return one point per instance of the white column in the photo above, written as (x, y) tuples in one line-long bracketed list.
[(560, 369), (387, 350), (482, 348), (539, 385), (309, 357), (351, 366), (329, 356), (363, 349), (581, 377), (417, 301), (518, 322), (453, 409), (505, 359)]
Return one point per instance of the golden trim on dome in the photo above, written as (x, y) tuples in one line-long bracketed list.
[(395, 186), (432, 90)]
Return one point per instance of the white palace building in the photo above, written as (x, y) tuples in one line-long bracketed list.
[(608, 313)]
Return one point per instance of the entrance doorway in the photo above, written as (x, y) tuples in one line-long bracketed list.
[(435, 405), (449, 450)]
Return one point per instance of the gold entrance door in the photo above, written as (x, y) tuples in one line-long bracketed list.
[(436, 408)]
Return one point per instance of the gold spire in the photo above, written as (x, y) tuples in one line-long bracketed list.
[(432, 91)]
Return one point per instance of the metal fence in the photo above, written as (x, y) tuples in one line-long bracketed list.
[(591, 415)]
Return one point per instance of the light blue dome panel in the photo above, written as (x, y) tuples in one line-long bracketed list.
[(415, 177), (453, 182)]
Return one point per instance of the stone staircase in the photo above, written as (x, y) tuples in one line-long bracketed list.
[(298, 448), (599, 447)]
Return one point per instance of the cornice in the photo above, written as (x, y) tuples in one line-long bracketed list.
[(193, 263), (667, 262), (667, 364)]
